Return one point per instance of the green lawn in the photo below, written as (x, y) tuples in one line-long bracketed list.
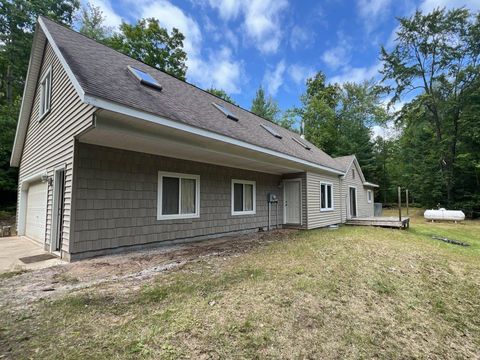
[(355, 292)]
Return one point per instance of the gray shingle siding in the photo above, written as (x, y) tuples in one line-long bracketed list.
[(116, 199)]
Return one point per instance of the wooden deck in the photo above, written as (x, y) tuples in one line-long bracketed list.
[(393, 222)]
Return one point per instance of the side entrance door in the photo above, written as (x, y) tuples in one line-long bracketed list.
[(353, 202), (58, 209), (292, 193)]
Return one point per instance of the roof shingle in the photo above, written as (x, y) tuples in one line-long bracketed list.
[(102, 72)]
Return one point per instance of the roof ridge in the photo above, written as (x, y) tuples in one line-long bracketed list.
[(62, 33), (166, 73)]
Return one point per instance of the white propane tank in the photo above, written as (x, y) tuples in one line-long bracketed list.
[(443, 214)]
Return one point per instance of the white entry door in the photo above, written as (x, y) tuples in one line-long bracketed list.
[(292, 202), (36, 214)]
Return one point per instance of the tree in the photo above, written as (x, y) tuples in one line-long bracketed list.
[(221, 94), (8, 175), (265, 107), (17, 24), (150, 43), (289, 119), (436, 58), (92, 23), (338, 118)]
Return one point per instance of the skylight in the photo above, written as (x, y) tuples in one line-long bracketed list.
[(145, 78), (301, 143), (271, 131), (227, 112)]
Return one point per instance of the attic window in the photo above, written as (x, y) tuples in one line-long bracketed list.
[(145, 78), (45, 93), (301, 143), (227, 112), (271, 131)]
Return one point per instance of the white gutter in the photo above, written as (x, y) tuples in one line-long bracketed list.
[(122, 109), (125, 110)]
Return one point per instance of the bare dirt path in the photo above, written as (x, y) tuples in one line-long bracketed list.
[(128, 269)]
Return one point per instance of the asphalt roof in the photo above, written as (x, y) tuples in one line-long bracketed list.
[(102, 72), (344, 161)]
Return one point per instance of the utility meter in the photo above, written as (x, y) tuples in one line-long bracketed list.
[(272, 198)]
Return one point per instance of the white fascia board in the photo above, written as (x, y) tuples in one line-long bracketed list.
[(31, 85), (58, 53), (355, 161), (122, 109), (27, 102)]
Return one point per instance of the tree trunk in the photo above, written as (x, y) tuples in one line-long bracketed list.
[(9, 85)]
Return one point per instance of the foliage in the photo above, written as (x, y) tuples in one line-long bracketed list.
[(221, 94), (289, 119), (8, 175), (265, 107), (92, 23), (436, 57), (150, 43), (338, 118), (17, 24)]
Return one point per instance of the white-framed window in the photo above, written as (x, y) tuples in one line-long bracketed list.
[(178, 196), (243, 197), (45, 93), (369, 196), (326, 196)]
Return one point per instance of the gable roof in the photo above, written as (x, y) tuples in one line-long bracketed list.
[(346, 163), (101, 77)]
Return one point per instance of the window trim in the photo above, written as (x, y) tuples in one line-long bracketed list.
[(369, 196), (48, 74), (232, 197), (326, 209), (161, 216)]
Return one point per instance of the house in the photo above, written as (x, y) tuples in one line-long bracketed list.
[(355, 190), (114, 154)]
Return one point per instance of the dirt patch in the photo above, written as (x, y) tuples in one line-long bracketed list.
[(122, 269)]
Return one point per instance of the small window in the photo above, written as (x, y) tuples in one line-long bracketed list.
[(353, 173), (326, 196), (45, 93), (369, 196), (243, 197), (145, 78), (271, 131), (224, 110), (178, 196)]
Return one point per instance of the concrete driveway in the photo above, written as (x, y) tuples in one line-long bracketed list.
[(13, 248)]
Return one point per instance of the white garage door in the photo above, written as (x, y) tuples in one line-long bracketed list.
[(36, 211)]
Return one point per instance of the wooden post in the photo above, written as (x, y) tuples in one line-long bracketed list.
[(399, 203), (406, 199)]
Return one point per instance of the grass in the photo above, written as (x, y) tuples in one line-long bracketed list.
[(355, 292), (10, 274)]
